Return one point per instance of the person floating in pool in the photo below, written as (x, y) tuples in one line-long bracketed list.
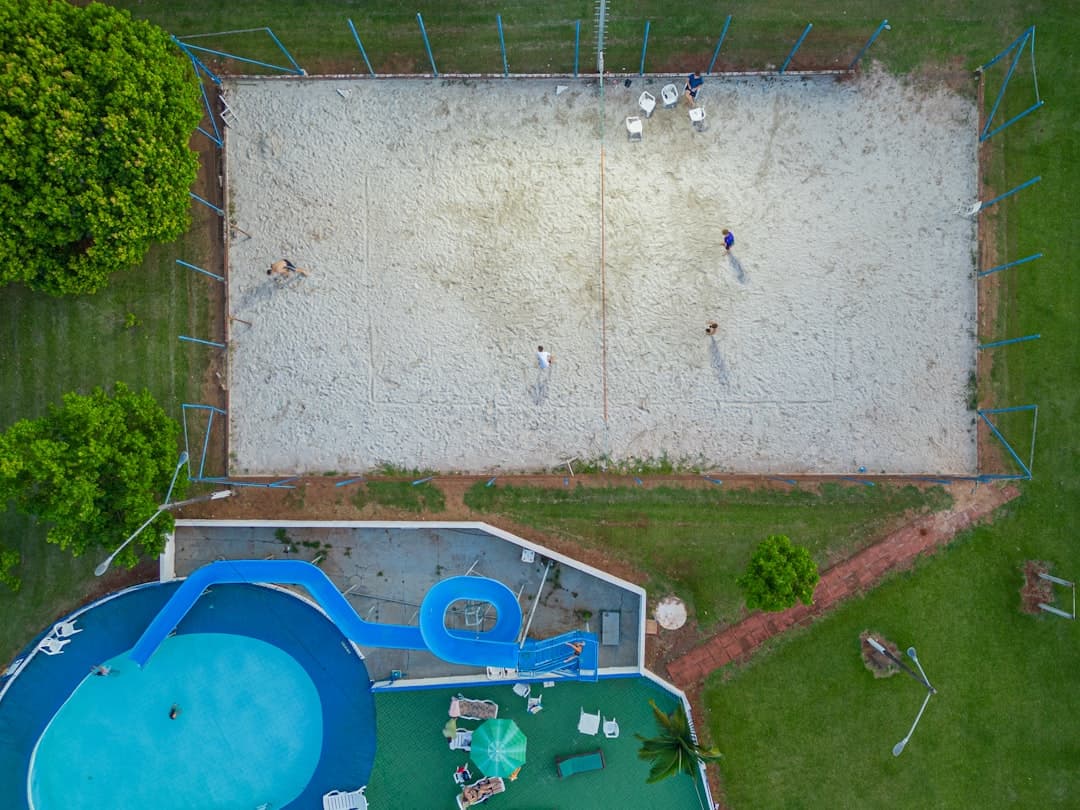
[(174, 712)]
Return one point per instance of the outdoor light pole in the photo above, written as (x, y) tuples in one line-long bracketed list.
[(930, 690), (213, 496)]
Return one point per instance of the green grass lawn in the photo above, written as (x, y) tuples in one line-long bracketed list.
[(804, 725), (695, 542), (49, 346)]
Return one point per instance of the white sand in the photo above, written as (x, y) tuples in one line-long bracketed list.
[(451, 227)]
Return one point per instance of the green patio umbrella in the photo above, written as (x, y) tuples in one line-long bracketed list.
[(498, 747)]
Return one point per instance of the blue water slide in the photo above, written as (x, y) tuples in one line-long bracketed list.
[(497, 646), (571, 655)]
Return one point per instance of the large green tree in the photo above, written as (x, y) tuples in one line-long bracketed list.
[(96, 111), (94, 469), (674, 749), (780, 573)]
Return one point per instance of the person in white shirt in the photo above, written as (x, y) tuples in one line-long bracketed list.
[(542, 357)]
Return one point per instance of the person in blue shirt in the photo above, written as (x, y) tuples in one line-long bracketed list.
[(729, 239), (693, 84)]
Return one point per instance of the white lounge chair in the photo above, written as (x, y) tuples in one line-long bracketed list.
[(462, 741), (53, 646), (345, 800), (589, 723), (66, 629), (611, 728)]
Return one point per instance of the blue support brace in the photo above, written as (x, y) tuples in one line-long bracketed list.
[(796, 47), (204, 342), (884, 25), (348, 481), (199, 269), (1009, 341), (719, 44), (360, 45), (857, 481), (997, 433), (1031, 182), (427, 45), (419, 481), (299, 71), (1001, 267), (207, 203), (577, 45), (644, 47), (789, 481), (1012, 120), (502, 45)]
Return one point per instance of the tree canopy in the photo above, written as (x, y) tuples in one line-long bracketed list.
[(96, 110), (94, 469), (674, 749), (780, 573)]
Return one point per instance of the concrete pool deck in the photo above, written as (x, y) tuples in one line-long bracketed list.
[(385, 569)]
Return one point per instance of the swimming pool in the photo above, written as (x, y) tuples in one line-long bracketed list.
[(274, 707)]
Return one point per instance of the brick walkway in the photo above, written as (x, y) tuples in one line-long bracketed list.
[(896, 552)]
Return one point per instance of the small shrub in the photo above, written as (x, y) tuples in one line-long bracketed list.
[(780, 574)]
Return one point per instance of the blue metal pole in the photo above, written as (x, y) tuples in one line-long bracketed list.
[(199, 269), (207, 203), (427, 44), (1010, 340), (243, 59), (1000, 197), (577, 45), (348, 481), (296, 68), (859, 55), (360, 45), (797, 44), (1012, 120), (502, 45), (282, 484), (1004, 86), (206, 444), (204, 342), (857, 481), (716, 53), (1015, 42), (198, 64), (216, 137), (1001, 267), (644, 47), (1012, 409), (1004, 442)]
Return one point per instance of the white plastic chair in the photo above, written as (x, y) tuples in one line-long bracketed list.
[(535, 705), (634, 128), (697, 118), (522, 689), (462, 741), (53, 646), (670, 96), (589, 723), (66, 629), (611, 728), (647, 103), (345, 800)]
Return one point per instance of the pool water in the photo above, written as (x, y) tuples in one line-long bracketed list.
[(234, 742)]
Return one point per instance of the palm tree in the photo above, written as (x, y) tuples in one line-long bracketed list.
[(674, 750)]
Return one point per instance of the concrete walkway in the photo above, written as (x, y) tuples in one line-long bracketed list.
[(896, 552)]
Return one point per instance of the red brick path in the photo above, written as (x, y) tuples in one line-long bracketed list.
[(894, 553)]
